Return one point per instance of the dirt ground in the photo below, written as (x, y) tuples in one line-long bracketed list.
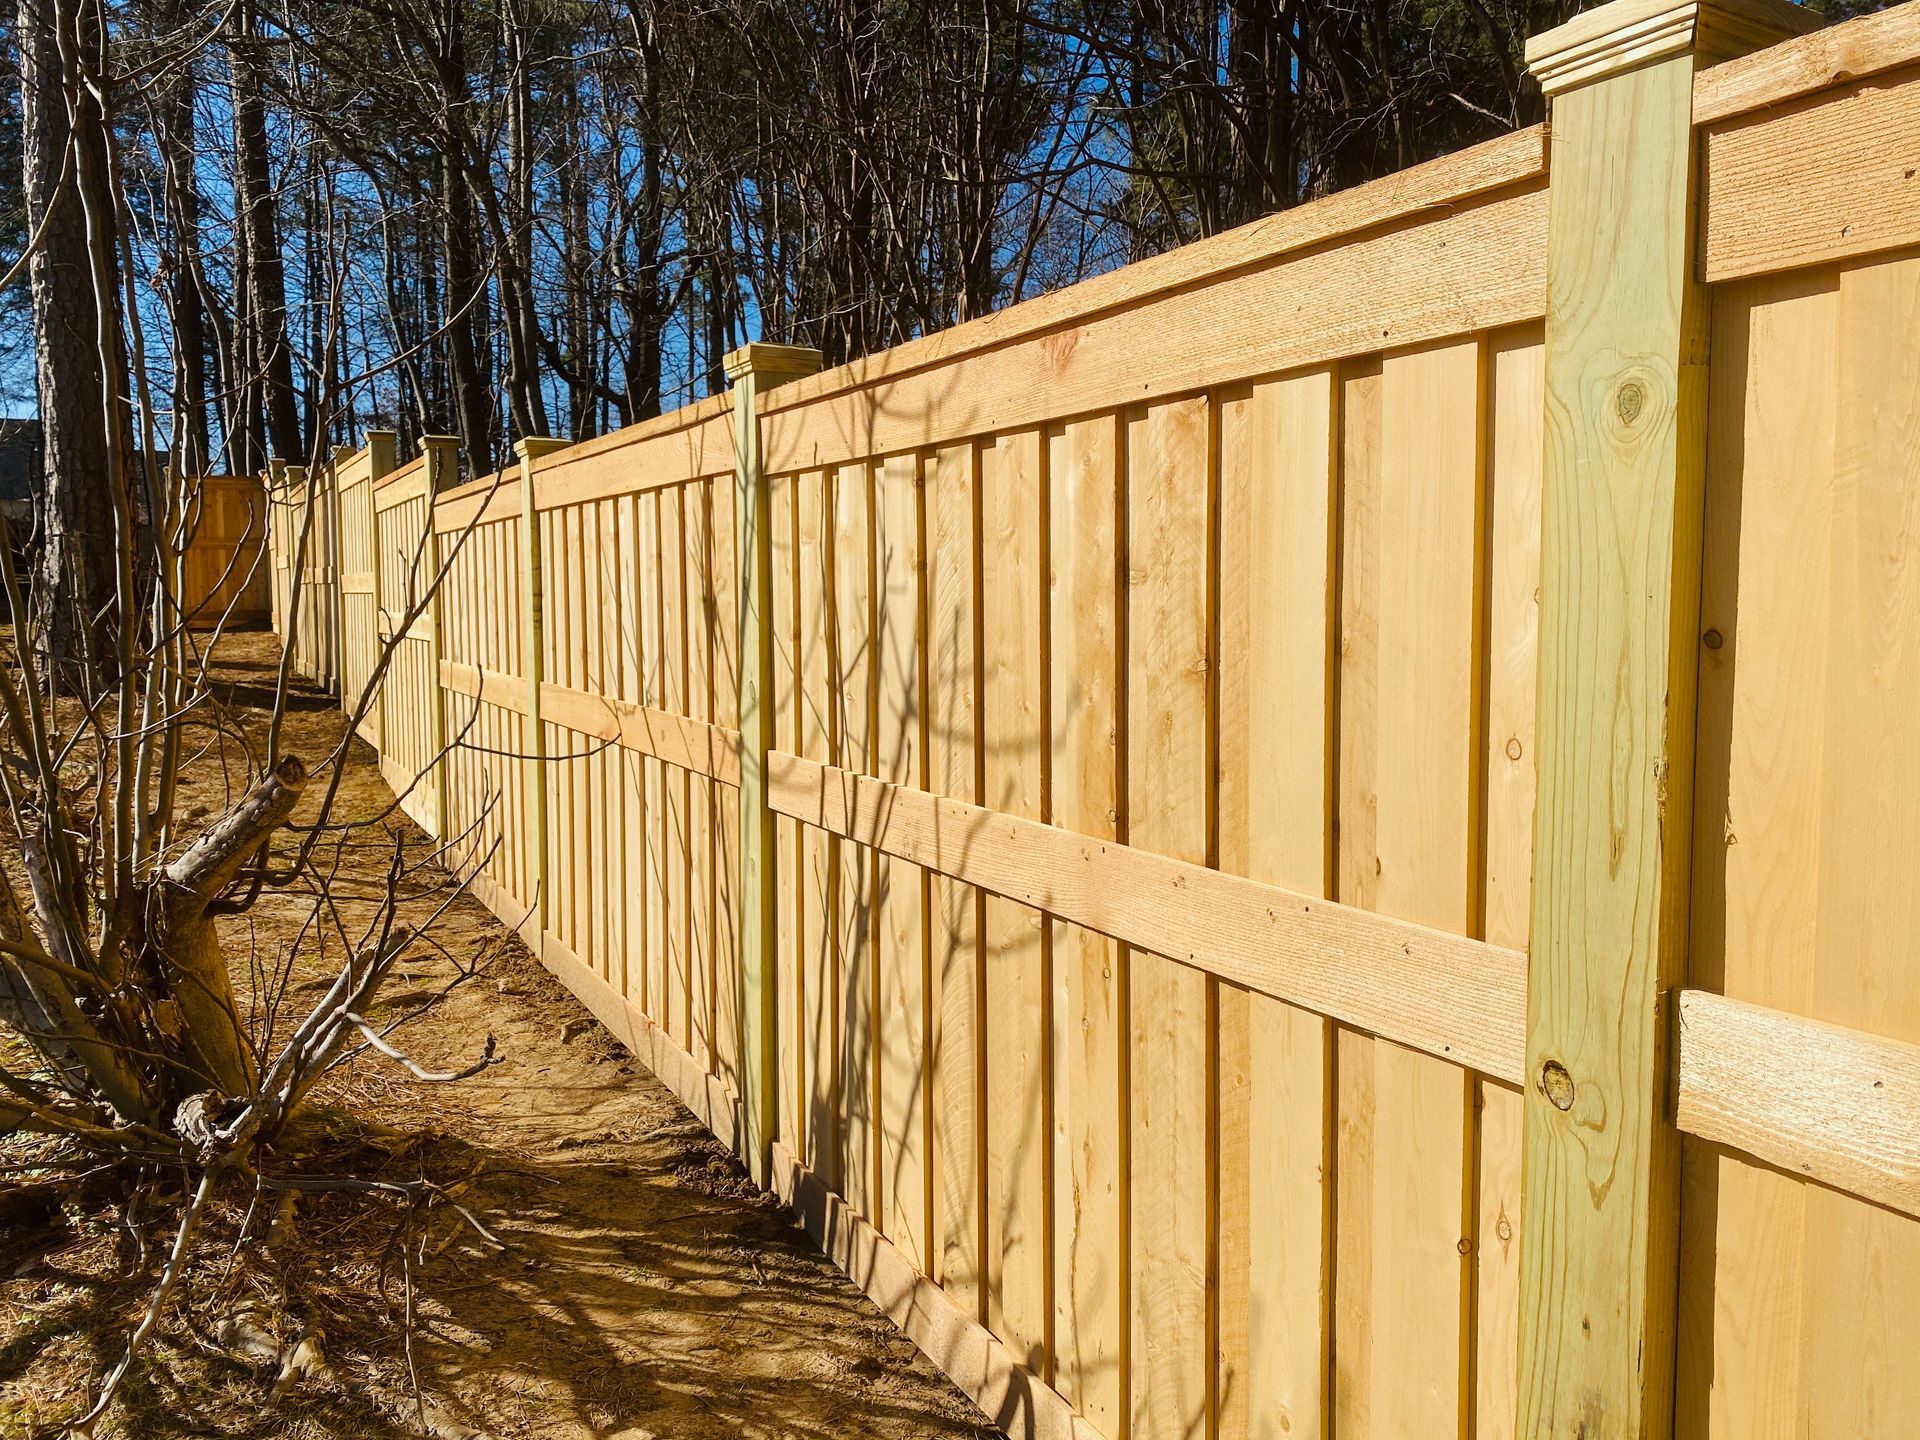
[(647, 1289)]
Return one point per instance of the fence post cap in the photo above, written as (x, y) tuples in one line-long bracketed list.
[(777, 362), (532, 447), (1626, 34)]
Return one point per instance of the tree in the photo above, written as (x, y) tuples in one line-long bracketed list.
[(88, 508)]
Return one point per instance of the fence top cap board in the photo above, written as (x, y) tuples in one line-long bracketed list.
[(1629, 33), (762, 358), (1431, 187)]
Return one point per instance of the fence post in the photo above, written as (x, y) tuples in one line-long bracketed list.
[(1626, 397), (751, 369), (443, 472), (533, 740)]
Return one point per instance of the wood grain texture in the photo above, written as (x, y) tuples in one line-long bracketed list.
[(677, 858), (858, 976), (1864, 46), (1433, 188), (1441, 993), (1516, 379), (1355, 875), (1756, 903), (1850, 1120), (1089, 1022), (1864, 1264), (1448, 271), (1013, 727), (956, 960), (789, 924), (1802, 901), (660, 1006), (1278, 448), (1169, 656), (969, 1354), (1426, 836), (1619, 587), (701, 623), (1829, 177), (819, 876), (900, 887), (739, 1017)]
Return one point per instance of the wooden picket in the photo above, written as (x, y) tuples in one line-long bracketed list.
[(1201, 877)]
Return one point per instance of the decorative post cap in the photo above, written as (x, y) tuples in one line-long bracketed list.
[(1627, 34), (443, 460), (777, 362), (532, 447)]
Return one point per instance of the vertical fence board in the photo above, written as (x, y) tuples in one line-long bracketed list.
[(1426, 849), (820, 853), (1862, 1330), (1756, 904), (729, 1020), (1169, 480), (1357, 877), (673, 699), (900, 887), (1089, 1036), (790, 935), (1013, 497), (955, 1047), (630, 777), (1517, 393), (653, 654), (698, 704), (858, 977), (1276, 547)]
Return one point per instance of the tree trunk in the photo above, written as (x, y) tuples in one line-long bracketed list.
[(192, 446), (264, 272), (79, 409)]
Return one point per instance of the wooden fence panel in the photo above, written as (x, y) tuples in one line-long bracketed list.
[(1794, 1317), (410, 696), (304, 596), (484, 698), (1154, 780), (359, 591), (226, 573)]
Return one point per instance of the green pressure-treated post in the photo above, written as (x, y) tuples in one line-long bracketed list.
[(751, 370), (533, 743), (1626, 359)]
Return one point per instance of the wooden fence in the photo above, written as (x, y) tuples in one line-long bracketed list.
[(1313, 837), (224, 576)]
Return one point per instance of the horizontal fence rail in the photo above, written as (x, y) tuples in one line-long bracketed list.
[(1311, 837)]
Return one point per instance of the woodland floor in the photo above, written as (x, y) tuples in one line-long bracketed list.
[(648, 1288)]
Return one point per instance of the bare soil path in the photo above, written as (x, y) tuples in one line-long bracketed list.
[(648, 1290)]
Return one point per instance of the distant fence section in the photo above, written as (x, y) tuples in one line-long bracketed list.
[(226, 570), (1314, 837)]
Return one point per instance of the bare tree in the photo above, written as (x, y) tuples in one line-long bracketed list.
[(116, 917)]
